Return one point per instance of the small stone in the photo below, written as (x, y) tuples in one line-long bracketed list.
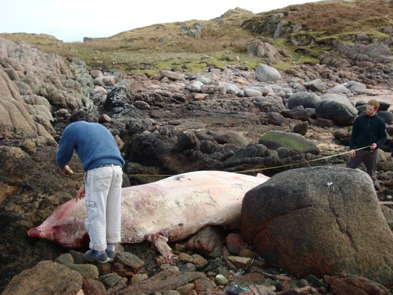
[(89, 271), (188, 267), (65, 259), (240, 262), (221, 280), (139, 277)]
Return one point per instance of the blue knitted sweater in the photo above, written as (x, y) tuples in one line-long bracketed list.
[(93, 143)]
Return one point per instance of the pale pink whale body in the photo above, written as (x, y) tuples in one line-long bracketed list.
[(174, 208)]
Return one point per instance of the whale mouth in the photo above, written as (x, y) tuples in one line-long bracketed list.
[(34, 233)]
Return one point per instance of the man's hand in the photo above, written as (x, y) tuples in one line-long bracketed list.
[(67, 170), (352, 153), (80, 194), (373, 146)]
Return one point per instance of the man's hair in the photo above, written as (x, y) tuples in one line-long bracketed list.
[(79, 116), (374, 103)]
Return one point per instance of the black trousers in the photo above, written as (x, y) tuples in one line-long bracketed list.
[(369, 158)]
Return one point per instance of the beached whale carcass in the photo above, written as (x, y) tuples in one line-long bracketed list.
[(169, 209)]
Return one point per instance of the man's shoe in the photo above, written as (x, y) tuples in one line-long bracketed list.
[(111, 254), (94, 256)]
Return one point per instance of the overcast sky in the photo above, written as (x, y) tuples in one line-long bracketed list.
[(71, 20)]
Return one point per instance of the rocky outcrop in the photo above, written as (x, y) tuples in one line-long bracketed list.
[(320, 220)]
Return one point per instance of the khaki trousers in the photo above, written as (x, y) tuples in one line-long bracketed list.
[(103, 205)]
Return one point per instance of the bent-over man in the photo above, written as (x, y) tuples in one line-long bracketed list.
[(102, 162)]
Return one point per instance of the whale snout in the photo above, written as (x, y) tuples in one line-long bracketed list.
[(35, 232)]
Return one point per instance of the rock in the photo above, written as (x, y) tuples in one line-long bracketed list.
[(251, 151), (384, 106), (188, 267), (93, 287), (230, 88), (195, 259), (109, 80), (301, 128), (187, 141), (291, 141), (265, 73), (65, 259), (45, 278), (15, 120), (356, 87), (205, 286), (305, 99), (339, 89), (204, 80), (234, 243), (221, 280), (142, 105), (387, 116), (113, 282), (352, 284), (250, 92), (275, 119), (315, 85), (127, 264), (88, 271), (96, 74), (163, 281), (337, 108), (264, 50), (269, 104), (240, 262), (324, 122), (138, 278), (232, 137), (341, 238), (195, 86), (208, 241), (298, 113), (172, 75)]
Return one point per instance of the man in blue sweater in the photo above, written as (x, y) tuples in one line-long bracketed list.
[(102, 162), (368, 131)]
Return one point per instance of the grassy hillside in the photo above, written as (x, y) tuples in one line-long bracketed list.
[(194, 45), (320, 24)]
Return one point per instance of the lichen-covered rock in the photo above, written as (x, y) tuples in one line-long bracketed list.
[(291, 141)]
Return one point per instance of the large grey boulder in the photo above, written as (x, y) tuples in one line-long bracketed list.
[(320, 220), (337, 108), (305, 99)]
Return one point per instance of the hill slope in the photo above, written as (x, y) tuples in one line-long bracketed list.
[(309, 34)]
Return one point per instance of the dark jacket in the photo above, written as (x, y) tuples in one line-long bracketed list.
[(367, 130)]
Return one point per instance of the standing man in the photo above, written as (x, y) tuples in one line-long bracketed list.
[(102, 162), (369, 131)]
